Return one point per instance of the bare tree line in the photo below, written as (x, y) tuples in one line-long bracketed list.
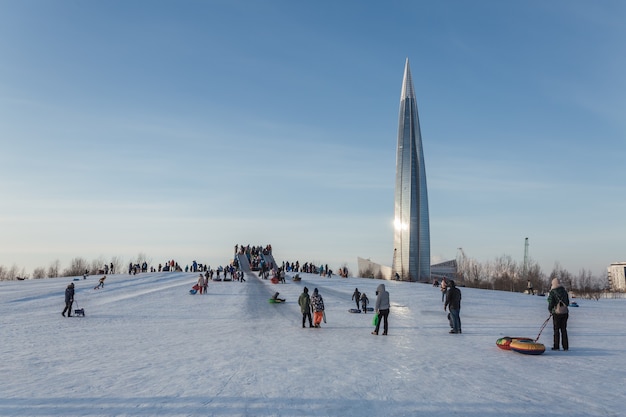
[(504, 274), (78, 266)]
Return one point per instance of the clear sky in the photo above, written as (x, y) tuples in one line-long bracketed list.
[(178, 129)]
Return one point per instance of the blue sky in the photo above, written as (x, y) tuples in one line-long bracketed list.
[(178, 129)]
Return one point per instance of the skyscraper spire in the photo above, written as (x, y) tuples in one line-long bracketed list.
[(411, 259)]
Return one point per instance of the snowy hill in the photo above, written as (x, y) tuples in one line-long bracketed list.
[(147, 347)]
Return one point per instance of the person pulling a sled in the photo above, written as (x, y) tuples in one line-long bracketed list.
[(69, 300), (558, 300), (100, 283), (200, 283)]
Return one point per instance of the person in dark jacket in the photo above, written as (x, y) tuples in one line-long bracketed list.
[(382, 309), (558, 294), (356, 296), (453, 300), (304, 301), (69, 300)]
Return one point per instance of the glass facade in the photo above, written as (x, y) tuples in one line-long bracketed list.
[(411, 257)]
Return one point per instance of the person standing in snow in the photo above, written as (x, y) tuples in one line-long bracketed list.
[(557, 295), (453, 300), (444, 288), (69, 300), (317, 304), (382, 308), (364, 302), (304, 302), (205, 280), (201, 283), (356, 296)]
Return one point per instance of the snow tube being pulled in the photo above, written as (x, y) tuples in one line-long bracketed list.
[(527, 347), (505, 342)]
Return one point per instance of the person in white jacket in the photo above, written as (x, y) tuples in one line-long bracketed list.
[(382, 308)]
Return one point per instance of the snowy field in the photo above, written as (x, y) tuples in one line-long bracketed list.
[(146, 347)]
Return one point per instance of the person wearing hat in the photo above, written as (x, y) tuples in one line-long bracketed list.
[(69, 300), (557, 295), (453, 300), (304, 302), (317, 305)]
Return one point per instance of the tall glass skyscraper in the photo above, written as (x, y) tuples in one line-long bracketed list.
[(411, 257)]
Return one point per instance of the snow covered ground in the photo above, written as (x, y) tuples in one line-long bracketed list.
[(146, 347)]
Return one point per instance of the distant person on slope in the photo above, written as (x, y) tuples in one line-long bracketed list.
[(69, 300), (317, 304), (304, 301), (100, 283), (382, 308), (444, 288), (356, 296)]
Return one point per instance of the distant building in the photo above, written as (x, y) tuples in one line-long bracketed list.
[(369, 269), (617, 276), (411, 253), (447, 269)]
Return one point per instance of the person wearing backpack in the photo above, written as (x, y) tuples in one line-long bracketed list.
[(558, 300)]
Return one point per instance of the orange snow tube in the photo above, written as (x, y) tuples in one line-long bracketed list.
[(505, 342), (527, 347)]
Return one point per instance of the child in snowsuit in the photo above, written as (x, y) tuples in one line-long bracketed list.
[(364, 302), (100, 283), (317, 304)]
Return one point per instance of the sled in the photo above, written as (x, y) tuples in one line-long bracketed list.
[(527, 347), (354, 310), (192, 292), (78, 311), (505, 342), (276, 300)]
